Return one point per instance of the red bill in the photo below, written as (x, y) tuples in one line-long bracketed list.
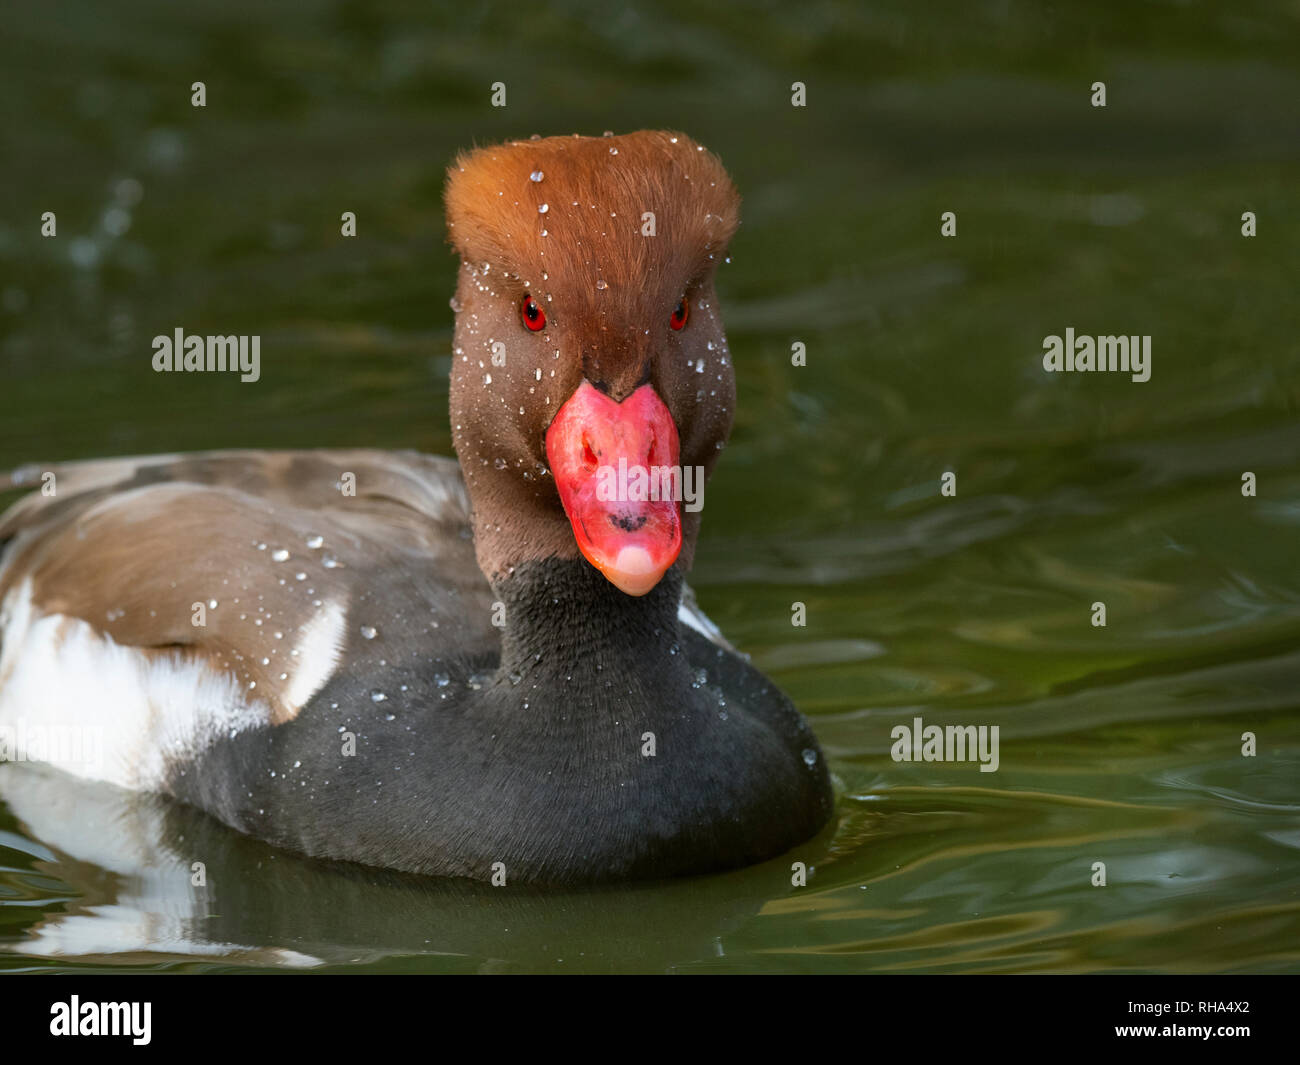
[(610, 461)]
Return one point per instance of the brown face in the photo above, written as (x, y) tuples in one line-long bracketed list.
[(590, 375)]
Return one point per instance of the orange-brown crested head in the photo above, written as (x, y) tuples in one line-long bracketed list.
[(589, 347)]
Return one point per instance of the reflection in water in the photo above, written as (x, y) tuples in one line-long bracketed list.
[(125, 863)]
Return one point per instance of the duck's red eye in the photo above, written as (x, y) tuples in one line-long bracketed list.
[(680, 315), (533, 315)]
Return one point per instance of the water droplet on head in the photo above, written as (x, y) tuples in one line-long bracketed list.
[(601, 285)]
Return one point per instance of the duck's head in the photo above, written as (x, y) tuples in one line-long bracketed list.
[(588, 343)]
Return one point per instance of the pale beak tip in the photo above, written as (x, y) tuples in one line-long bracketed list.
[(634, 572)]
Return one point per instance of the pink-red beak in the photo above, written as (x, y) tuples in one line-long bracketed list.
[(608, 460)]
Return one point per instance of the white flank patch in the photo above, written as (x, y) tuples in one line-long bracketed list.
[(107, 712), (690, 615), (318, 649)]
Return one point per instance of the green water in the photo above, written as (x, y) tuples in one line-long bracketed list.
[(1120, 744)]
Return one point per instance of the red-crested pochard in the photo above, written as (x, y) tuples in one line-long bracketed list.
[(381, 658)]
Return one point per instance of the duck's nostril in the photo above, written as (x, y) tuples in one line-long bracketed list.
[(627, 524), (588, 455)]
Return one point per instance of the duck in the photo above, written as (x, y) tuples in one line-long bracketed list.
[(487, 668)]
